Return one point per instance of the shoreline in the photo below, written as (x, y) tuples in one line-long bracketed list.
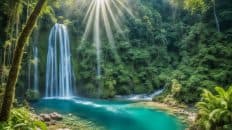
[(184, 113)]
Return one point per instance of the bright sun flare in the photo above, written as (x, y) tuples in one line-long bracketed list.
[(102, 17), (101, 1)]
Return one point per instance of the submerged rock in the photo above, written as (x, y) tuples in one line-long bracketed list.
[(52, 117), (69, 114), (45, 117), (56, 116)]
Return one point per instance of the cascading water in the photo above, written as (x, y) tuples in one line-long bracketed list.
[(36, 60), (59, 81)]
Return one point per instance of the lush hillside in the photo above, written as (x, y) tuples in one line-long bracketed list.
[(102, 49), (163, 42)]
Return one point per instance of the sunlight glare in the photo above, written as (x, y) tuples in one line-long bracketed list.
[(101, 20)]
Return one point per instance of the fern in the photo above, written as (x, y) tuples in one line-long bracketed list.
[(214, 111)]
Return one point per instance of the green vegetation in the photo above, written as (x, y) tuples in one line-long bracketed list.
[(9, 93), (22, 119), (215, 111), (165, 41), (32, 95), (183, 46)]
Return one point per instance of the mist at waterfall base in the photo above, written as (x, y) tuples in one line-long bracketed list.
[(111, 114), (59, 75)]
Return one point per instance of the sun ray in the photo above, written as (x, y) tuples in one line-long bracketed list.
[(104, 14), (89, 10), (89, 19), (97, 38), (109, 31), (125, 8), (115, 22), (117, 8), (89, 22), (107, 24)]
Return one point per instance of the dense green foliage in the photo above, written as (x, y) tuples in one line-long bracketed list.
[(185, 47), (22, 119), (32, 95), (215, 111), (166, 41), (18, 52)]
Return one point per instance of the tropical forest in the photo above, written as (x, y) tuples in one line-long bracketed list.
[(116, 65)]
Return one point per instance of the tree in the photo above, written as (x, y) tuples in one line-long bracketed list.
[(196, 5), (15, 69), (11, 10), (203, 6), (215, 16)]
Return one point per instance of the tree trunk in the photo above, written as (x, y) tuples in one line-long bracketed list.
[(215, 16), (14, 71)]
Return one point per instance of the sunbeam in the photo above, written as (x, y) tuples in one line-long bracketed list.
[(115, 22), (89, 21), (90, 9), (109, 31), (97, 38), (101, 20)]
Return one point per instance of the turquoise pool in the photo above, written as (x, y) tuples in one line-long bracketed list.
[(113, 115)]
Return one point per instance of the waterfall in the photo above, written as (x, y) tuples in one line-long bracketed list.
[(36, 60), (59, 81)]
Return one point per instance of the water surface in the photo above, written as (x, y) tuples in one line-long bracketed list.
[(113, 115)]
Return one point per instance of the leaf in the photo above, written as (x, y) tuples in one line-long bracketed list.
[(227, 127), (221, 92), (19, 125), (215, 115), (40, 125)]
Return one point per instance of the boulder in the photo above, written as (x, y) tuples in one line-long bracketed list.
[(50, 118), (56, 116), (45, 117)]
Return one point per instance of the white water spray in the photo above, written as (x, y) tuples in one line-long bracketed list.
[(59, 71)]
